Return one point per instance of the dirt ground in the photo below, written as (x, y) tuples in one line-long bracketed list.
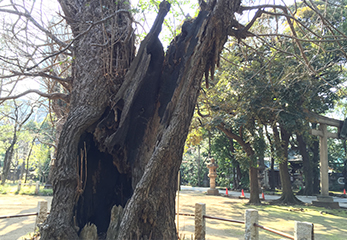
[(223, 207), (280, 218), (15, 228)]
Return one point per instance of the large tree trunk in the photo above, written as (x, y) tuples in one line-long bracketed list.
[(123, 140)]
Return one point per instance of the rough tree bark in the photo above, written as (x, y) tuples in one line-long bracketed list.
[(123, 139)]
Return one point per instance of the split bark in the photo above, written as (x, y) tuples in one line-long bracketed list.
[(123, 139)]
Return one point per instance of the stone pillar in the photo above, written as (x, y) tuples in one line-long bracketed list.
[(251, 231), (37, 189), (303, 231), (212, 175), (323, 148), (19, 185), (42, 213), (200, 226), (324, 200)]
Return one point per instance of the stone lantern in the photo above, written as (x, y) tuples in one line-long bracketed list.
[(212, 175)]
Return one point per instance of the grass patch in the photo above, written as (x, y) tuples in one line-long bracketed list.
[(12, 188)]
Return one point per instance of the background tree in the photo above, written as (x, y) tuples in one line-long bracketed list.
[(17, 118)]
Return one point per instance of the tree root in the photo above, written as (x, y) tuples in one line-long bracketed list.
[(287, 200)]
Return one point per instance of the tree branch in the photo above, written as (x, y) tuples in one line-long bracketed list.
[(61, 96), (93, 24), (37, 74), (245, 146), (31, 19)]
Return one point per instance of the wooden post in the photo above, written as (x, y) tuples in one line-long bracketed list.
[(37, 189), (251, 231), (41, 213), (200, 225), (303, 230)]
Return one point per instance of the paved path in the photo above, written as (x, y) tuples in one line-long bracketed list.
[(306, 199)]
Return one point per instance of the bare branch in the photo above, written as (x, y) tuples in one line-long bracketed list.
[(300, 39), (47, 95), (47, 143), (37, 74), (93, 24), (29, 17)]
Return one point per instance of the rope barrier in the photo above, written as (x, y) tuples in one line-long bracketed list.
[(181, 214), (224, 219), (19, 215), (186, 214)]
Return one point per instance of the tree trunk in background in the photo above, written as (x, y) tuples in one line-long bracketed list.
[(27, 160), (344, 171), (238, 172), (123, 139), (282, 144), (199, 167), (272, 154), (236, 166), (8, 157), (272, 174), (253, 171), (307, 167), (254, 185)]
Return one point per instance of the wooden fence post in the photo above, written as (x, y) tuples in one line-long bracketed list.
[(37, 189), (303, 230), (41, 212), (251, 231), (19, 185), (200, 226)]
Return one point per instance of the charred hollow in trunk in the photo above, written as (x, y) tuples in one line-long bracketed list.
[(104, 186)]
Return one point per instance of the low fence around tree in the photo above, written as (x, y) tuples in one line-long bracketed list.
[(41, 215), (302, 230), (37, 186)]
